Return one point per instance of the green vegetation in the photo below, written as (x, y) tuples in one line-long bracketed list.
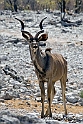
[(33, 4), (1, 4), (81, 93), (47, 3), (1, 1), (37, 4)]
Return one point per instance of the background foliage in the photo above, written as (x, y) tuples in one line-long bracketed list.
[(38, 4)]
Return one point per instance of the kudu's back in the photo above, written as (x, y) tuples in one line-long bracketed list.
[(56, 66)]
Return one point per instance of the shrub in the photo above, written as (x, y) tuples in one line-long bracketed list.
[(81, 93)]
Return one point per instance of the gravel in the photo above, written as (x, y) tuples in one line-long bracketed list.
[(15, 58)]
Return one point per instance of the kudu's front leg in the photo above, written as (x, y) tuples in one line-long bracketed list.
[(49, 95), (41, 84), (63, 86)]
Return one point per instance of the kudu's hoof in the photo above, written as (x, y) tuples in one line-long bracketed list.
[(42, 115), (66, 112), (48, 115)]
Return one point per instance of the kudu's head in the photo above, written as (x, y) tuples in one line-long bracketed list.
[(34, 42)]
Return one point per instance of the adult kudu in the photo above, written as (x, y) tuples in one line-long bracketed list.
[(48, 67)]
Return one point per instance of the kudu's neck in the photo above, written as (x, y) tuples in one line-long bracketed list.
[(39, 60)]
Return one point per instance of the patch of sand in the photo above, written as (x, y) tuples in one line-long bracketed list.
[(32, 105)]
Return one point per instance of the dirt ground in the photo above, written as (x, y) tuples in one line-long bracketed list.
[(32, 105)]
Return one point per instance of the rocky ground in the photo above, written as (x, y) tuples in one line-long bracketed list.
[(20, 101)]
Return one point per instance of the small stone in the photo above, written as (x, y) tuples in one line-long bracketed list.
[(7, 96), (81, 101), (10, 120), (38, 99), (2, 100), (72, 99), (3, 58)]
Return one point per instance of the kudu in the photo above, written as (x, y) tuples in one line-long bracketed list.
[(48, 67)]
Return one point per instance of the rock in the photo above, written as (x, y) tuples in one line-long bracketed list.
[(3, 58), (14, 52), (38, 99), (6, 96), (19, 44), (38, 94), (14, 117), (9, 120), (72, 99), (81, 101), (2, 100), (52, 122), (31, 118)]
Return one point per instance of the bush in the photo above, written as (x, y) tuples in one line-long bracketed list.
[(81, 93)]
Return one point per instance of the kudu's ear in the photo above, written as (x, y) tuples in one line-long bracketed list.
[(43, 37), (27, 35)]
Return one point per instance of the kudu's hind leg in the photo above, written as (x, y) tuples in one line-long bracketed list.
[(48, 112), (41, 85), (63, 86)]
